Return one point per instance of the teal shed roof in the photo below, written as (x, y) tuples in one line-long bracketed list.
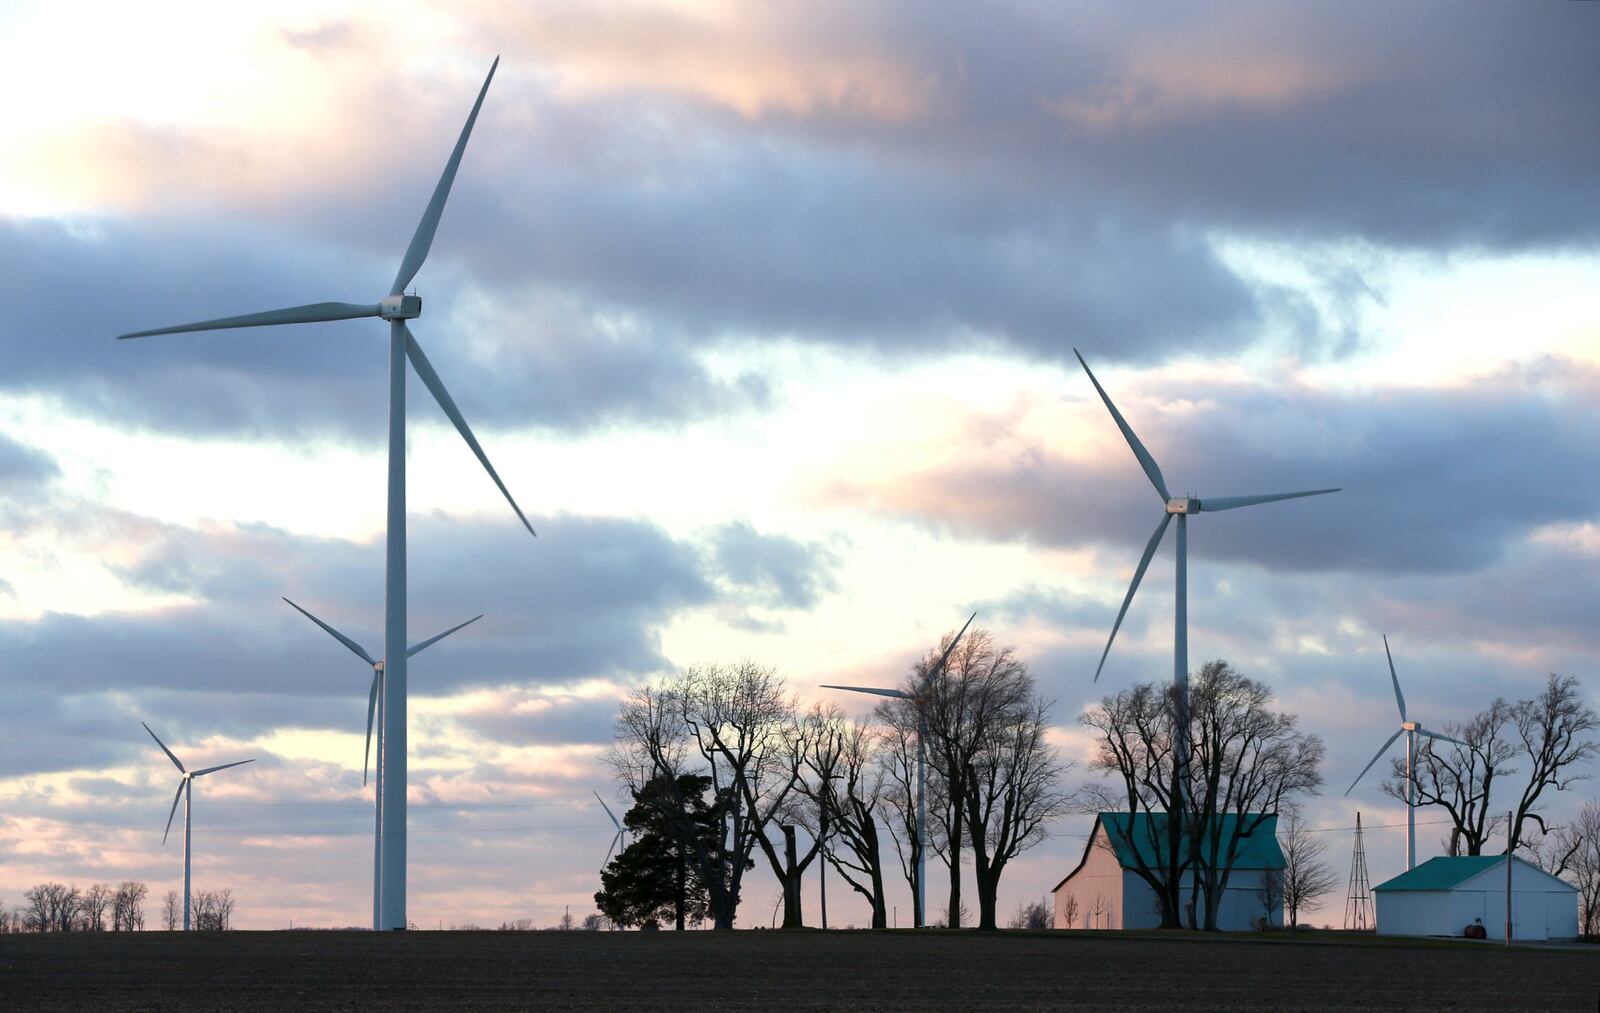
[(1258, 850), (1442, 873)]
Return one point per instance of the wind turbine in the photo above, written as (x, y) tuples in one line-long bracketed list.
[(396, 308), (920, 914), (1181, 508), (1410, 729), (186, 792), (621, 830), (375, 703)]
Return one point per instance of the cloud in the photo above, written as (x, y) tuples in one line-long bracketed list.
[(23, 466), (1434, 481), (774, 570)]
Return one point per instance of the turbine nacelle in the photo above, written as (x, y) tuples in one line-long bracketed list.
[(400, 307), (1186, 505)]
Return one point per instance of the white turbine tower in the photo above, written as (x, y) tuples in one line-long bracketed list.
[(396, 308), (186, 793), (375, 700), (1410, 729), (621, 830), (1181, 508), (920, 911)]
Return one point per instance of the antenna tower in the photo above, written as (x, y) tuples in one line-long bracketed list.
[(1358, 913)]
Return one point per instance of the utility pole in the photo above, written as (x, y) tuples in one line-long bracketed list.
[(1509, 818)]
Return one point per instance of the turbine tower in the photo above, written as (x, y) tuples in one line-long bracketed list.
[(1410, 729), (919, 915), (396, 308), (621, 831), (1181, 508), (186, 792), (375, 698)]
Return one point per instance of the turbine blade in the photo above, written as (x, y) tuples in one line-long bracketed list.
[(1146, 462), (1375, 758), (311, 313), (1211, 506), (1398, 698), (607, 860), (1138, 575), (417, 252), (356, 648), (222, 766), (164, 748), (438, 637), (431, 380), (607, 808), (895, 693), (1441, 735), (951, 649), (372, 707), (173, 813)]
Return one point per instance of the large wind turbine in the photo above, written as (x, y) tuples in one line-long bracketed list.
[(375, 698), (396, 308), (1410, 729), (621, 831), (1181, 508), (186, 792), (921, 899)]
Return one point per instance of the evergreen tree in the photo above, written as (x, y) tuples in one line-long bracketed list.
[(653, 879)]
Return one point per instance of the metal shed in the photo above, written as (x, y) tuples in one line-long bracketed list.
[(1443, 895)]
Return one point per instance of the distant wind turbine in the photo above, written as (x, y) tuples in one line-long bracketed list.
[(1410, 729), (397, 307), (1181, 508), (919, 915), (375, 702), (621, 831), (186, 792)]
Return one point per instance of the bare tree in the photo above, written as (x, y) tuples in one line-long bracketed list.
[(1306, 876), (96, 900), (1012, 792), (1097, 910), (1033, 915), (1246, 763), (53, 907), (1069, 911), (171, 910), (981, 687), (1249, 762), (1555, 728), (1459, 779), (845, 782), (127, 906), (897, 751), (593, 922), (1573, 853), (808, 747), (727, 723), (1136, 742)]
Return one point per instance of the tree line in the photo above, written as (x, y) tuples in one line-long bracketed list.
[(724, 766), (100, 907)]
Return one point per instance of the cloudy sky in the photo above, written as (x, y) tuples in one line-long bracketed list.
[(766, 316)]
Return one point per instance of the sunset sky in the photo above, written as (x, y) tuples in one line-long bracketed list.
[(765, 314)]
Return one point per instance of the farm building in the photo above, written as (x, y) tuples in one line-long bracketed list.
[(1442, 896), (1105, 891)]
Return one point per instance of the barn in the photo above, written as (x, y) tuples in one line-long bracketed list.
[(1443, 895), (1105, 891)]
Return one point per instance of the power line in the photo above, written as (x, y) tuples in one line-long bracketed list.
[(153, 800)]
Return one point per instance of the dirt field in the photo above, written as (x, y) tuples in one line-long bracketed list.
[(771, 971)]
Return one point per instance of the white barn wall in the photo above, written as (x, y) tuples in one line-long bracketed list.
[(1128, 902), (1543, 907)]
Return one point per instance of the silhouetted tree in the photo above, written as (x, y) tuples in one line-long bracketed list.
[(728, 723), (1572, 852), (656, 877), (846, 782), (1458, 779), (1305, 876), (127, 906), (172, 911), (96, 900)]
